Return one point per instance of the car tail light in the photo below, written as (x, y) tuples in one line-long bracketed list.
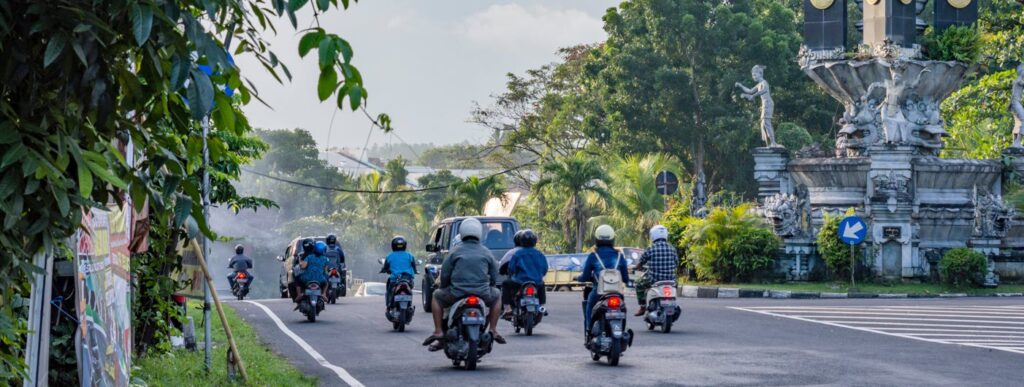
[(614, 302), (531, 291), (666, 291), (241, 275), (473, 300)]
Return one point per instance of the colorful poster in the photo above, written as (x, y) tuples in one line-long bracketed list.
[(191, 274), (103, 297)]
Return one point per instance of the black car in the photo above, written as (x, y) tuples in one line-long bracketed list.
[(497, 236)]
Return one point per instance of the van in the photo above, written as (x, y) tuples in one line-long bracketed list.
[(497, 237)]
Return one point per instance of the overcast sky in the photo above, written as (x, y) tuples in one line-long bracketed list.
[(423, 62)]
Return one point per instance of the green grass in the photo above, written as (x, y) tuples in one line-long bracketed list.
[(184, 368), (843, 287)]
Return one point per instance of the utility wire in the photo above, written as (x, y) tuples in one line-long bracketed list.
[(394, 191)]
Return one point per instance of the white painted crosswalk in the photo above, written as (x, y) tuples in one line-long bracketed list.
[(993, 327)]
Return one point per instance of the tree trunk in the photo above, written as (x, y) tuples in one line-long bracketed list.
[(578, 214)]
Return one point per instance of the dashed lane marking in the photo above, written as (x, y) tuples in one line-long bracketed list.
[(998, 328), (341, 372)]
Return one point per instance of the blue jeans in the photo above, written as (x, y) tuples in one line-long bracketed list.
[(588, 309)]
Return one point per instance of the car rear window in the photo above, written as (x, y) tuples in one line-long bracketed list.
[(497, 234)]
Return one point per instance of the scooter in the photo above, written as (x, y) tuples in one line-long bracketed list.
[(662, 309), (312, 302), (466, 336), (400, 309), (607, 335), (240, 286), (335, 283), (527, 310)]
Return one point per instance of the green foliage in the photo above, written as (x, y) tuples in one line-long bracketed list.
[(430, 200), (834, 252), (396, 173), (635, 204), (577, 176), (978, 119), (793, 136), (955, 43), (676, 219), (730, 244), (963, 266), (470, 196), (1002, 26)]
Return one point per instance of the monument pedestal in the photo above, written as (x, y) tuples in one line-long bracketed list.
[(770, 172)]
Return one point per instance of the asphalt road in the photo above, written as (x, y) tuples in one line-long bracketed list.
[(716, 342)]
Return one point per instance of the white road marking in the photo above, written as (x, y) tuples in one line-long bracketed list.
[(1004, 332), (344, 375)]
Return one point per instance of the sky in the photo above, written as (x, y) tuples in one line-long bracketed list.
[(423, 62)]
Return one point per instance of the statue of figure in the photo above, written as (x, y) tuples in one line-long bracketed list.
[(1016, 108), (784, 212), (894, 122), (699, 199), (991, 215), (761, 89)]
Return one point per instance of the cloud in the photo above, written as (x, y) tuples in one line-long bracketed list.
[(512, 26)]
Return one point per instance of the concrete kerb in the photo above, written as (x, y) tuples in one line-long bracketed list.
[(728, 292)]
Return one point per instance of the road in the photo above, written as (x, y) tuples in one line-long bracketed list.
[(716, 342)]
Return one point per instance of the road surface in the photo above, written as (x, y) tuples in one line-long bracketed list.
[(976, 341)]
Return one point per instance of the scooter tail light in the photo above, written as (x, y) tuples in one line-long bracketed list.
[(473, 300), (666, 291), (615, 302), (334, 272), (531, 291), (241, 275)]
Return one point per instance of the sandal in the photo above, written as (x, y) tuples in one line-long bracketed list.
[(436, 346), (497, 338), (432, 339)]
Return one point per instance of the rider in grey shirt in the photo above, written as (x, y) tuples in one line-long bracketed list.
[(240, 262)]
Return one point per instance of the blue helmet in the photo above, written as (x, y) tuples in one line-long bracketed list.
[(320, 248)]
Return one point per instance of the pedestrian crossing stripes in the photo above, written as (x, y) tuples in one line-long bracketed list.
[(992, 327)]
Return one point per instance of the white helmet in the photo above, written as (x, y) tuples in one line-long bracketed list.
[(659, 232), (471, 228), (604, 232)]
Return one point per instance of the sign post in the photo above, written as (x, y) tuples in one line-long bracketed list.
[(667, 184), (852, 231)]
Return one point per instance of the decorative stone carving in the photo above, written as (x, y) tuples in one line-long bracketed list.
[(761, 89), (892, 186), (807, 56), (784, 211), (894, 120), (1016, 108), (991, 216), (860, 127)]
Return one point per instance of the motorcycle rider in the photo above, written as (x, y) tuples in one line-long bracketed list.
[(334, 252), (396, 264), (517, 241), (469, 270), (526, 265), (314, 267), (307, 249), (661, 261), (239, 262), (604, 249)]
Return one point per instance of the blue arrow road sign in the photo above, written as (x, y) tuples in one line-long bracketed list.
[(852, 230)]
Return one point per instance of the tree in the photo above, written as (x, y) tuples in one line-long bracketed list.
[(665, 80), (635, 204), (576, 176), (471, 195), (396, 173), (431, 201), (730, 244), (79, 80)]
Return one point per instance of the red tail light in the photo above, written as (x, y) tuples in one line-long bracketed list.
[(531, 291), (666, 291), (241, 275), (614, 302), (473, 300), (334, 272), (178, 299)]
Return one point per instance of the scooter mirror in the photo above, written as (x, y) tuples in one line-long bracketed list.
[(280, 258), (381, 261), (575, 261), (419, 261)]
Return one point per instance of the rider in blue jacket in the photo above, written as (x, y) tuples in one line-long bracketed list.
[(399, 263), (526, 265), (314, 266), (604, 241)]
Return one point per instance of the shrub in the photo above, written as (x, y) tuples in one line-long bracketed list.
[(963, 266), (730, 244), (834, 252), (792, 136), (957, 43)]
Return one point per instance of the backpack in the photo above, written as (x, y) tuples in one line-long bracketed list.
[(609, 280)]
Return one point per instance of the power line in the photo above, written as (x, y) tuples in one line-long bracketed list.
[(394, 191)]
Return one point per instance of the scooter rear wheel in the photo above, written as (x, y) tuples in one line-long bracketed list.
[(529, 324), (667, 326), (471, 354), (614, 352)]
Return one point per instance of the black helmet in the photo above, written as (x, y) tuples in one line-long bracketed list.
[(527, 238), (331, 239), (517, 239), (307, 246), (398, 243), (239, 249)]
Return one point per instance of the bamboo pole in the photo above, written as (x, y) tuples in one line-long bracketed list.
[(220, 311)]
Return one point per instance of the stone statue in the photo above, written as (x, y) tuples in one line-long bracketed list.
[(699, 198), (991, 216), (784, 212), (895, 124), (1016, 108), (761, 89)]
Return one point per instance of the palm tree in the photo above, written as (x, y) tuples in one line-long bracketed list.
[(470, 196), (577, 176), (636, 205), (376, 214)]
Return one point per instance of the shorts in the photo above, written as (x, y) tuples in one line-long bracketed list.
[(446, 299)]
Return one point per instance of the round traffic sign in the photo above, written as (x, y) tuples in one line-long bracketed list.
[(852, 230), (667, 183)]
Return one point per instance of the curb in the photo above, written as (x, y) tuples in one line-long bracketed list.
[(692, 291)]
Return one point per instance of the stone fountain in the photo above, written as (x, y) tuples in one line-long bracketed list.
[(886, 165)]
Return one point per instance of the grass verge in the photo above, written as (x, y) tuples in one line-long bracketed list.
[(184, 368), (843, 287)]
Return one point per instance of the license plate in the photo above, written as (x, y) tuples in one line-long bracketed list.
[(668, 301), (335, 280), (403, 297), (529, 301), (614, 315), (473, 320)]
